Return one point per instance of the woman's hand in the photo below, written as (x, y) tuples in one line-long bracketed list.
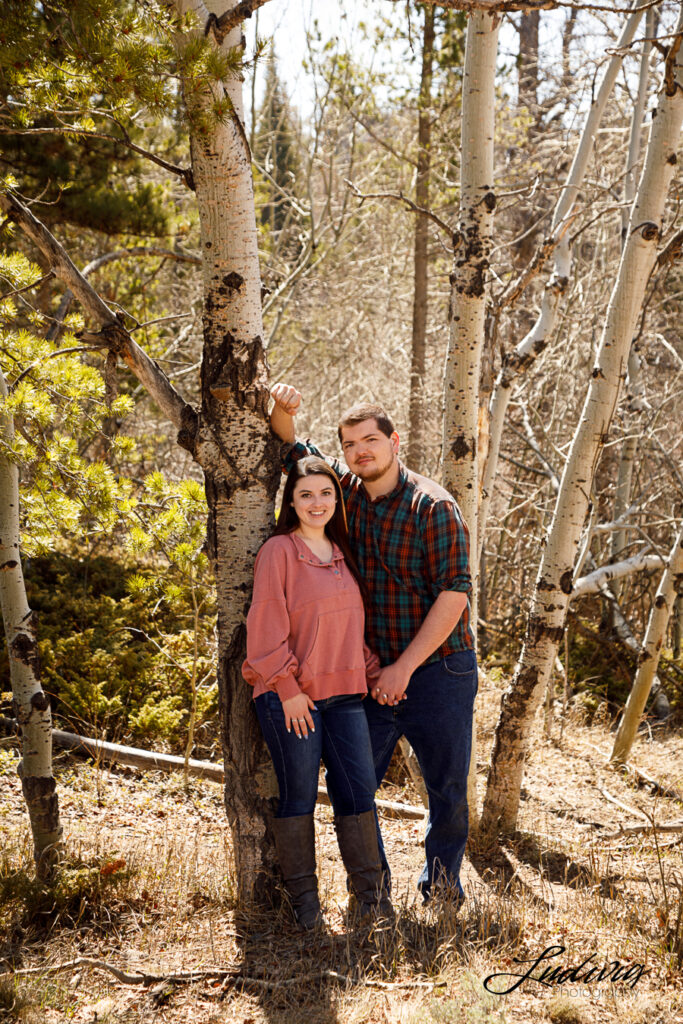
[(298, 714)]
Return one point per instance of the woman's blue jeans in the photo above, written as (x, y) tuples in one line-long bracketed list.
[(341, 740), (436, 719)]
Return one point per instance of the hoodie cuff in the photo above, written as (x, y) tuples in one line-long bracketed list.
[(287, 687)]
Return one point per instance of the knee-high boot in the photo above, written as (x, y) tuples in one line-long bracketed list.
[(295, 846), (357, 838)]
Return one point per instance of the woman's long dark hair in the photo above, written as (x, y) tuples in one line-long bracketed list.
[(336, 529)]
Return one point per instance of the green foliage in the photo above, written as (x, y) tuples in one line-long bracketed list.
[(276, 152)]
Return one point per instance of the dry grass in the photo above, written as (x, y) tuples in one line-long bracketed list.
[(148, 888)]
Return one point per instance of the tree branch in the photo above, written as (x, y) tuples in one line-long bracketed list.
[(591, 583), (401, 198), (112, 332), (232, 18)]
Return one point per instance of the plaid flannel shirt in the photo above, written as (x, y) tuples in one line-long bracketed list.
[(410, 545)]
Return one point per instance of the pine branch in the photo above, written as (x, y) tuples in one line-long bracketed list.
[(112, 333)]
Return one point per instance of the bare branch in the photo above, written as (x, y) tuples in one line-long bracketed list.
[(401, 198), (591, 583)]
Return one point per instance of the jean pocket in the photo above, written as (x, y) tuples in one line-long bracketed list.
[(460, 663)]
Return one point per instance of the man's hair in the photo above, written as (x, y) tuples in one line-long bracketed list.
[(365, 411)]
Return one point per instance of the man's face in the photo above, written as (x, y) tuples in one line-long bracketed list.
[(368, 452)]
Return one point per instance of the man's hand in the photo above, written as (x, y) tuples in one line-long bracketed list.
[(390, 686), (287, 401), (287, 397)]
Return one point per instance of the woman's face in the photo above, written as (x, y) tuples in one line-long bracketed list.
[(314, 499)]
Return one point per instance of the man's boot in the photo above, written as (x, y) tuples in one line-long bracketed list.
[(295, 846), (357, 838)]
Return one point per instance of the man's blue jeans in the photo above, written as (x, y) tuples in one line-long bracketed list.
[(436, 719), (341, 739)]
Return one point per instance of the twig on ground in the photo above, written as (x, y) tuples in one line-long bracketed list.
[(229, 976), (620, 803)]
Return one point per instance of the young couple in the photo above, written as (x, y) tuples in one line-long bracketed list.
[(362, 593)]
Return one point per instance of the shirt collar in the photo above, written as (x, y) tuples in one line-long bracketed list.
[(305, 554)]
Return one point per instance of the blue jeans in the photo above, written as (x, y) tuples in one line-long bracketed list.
[(436, 719), (341, 740)]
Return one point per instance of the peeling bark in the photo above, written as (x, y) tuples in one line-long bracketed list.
[(31, 705), (549, 604)]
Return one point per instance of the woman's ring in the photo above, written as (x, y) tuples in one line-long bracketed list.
[(385, 696)]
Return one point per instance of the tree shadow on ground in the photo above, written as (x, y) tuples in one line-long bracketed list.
[(496, 866)]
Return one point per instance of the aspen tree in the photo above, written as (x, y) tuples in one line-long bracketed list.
[(554, 581), (648, 658), (534, 342), (30, 703)]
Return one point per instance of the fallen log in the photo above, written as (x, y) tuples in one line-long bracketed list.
[(151, 760)]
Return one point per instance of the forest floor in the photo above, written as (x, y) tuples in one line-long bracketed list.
[(147, 890)]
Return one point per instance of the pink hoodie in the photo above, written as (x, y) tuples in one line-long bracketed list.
[(305, 625)]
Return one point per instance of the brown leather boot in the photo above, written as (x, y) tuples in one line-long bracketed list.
[(295, 846), (357, 838)]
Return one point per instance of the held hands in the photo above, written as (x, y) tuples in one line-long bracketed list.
[(286, 397), (391, 684), (298, 714)]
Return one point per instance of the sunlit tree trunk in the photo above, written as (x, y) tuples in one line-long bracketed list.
[(467, 307), (239, 457), (634, 405), (521, 358), (417, 430), (648, 659), (31, 705), (556, 572)]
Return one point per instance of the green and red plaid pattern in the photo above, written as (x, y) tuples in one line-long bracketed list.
[(410, 546)]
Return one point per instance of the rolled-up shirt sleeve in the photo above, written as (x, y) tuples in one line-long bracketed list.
[(446, 542), (269, 655)]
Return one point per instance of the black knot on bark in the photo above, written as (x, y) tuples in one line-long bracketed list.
[(597, 372), (567, 581), (460, 447), (490, 201), (648, 230), (40, 701), (233, 281)]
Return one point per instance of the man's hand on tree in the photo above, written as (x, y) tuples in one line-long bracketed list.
[(391, 684), (286, 397)]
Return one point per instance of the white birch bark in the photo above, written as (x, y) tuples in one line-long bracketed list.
[(629, 447), (555, 574), (531, 346), (239, 456), (648, 659), (30, 704), (467, 308), (471, 245), (595, 581)]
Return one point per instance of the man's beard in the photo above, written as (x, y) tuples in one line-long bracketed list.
[(375, 473)]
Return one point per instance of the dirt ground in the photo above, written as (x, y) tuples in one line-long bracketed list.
[(149, 893)]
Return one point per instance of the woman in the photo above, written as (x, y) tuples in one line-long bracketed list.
[(310, 668)]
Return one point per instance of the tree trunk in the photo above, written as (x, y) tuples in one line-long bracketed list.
[(555, 576), (527, 61), (417, 430), (234, 447), (648, 659), (30, 704), (467, 307), (531, 346)]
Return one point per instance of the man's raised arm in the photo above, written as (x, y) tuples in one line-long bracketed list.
[(287, 401)]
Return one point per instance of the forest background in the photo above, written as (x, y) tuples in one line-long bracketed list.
[(358, 199)]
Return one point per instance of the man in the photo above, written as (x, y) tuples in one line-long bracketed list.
[(412, 549)]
